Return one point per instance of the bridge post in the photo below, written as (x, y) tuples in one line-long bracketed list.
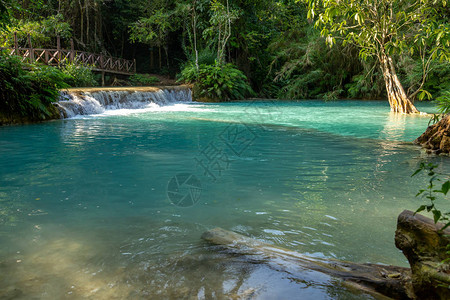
[(58, 48), (16, 44), (31, 51), (102, 66)]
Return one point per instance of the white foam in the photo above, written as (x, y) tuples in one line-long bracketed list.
[(118, 103)]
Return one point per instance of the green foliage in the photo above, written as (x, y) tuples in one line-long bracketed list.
[(310, 69), (266, 39), (143, 79), (206, 56), (443, 102), (153, 29), (78, 75), (43, 32), (332, 95), (384, 26), (219, 31), (438, 82), (189, 73), (221, 82), (366, 85), (4, 15), (28, 89), (437, 184), (443, 106), (416, 33), (434, 119)]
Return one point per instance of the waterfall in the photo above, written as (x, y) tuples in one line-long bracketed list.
[(96, 101)]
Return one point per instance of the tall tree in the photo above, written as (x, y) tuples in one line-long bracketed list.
[(154, 30), (383, 29), (222, 16), (4, 14)]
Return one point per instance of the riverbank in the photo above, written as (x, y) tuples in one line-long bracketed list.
[(8, 118)]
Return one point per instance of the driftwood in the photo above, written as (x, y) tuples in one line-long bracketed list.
[(425, 247), (378, 280)]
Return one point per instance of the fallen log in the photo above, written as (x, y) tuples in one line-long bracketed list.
[(378, 280)]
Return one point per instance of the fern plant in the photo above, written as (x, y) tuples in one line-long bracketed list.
[(220, 82), (28, 90)]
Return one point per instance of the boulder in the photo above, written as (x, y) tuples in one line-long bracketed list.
[(426, 248), (380, 281), (437, 137)]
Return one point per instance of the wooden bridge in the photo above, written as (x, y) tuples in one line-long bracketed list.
[(58, 56)]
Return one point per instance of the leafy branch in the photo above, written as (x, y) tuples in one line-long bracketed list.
[(436, 184), (443, 106)]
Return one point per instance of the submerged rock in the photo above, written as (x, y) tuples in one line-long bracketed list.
[(377, 280), (422, 241), (425, 247), (437, 137)]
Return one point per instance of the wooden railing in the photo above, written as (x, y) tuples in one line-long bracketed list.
[(98, 62)]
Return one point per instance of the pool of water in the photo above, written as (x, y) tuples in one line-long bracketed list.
[(87, 204)]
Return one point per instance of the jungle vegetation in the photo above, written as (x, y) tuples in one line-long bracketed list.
[(288, 49)]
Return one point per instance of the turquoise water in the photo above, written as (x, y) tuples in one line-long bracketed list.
[(84, 209)]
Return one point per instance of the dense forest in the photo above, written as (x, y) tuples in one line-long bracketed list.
[(287, 49)]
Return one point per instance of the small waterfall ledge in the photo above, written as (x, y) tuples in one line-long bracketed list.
[(90, 101)]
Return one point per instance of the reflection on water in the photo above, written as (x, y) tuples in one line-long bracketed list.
[(84, 211), (395, 126)]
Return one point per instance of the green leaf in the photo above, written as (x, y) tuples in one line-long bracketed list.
[(445, 226), (420, 192), (445, 187), (421, 208), (436, 215), (416, 172)]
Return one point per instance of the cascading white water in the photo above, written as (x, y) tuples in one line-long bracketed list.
[(73, 104)]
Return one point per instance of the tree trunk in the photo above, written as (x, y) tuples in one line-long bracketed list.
[(152, 60), (87, 22), (160, 59), (194, 29), (166, 52), (398, 100), (81, 21)]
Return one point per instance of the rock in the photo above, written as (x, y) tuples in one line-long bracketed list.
[(378, 280), (422, 241), (437, 137), (198, 97), (425, 247)]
